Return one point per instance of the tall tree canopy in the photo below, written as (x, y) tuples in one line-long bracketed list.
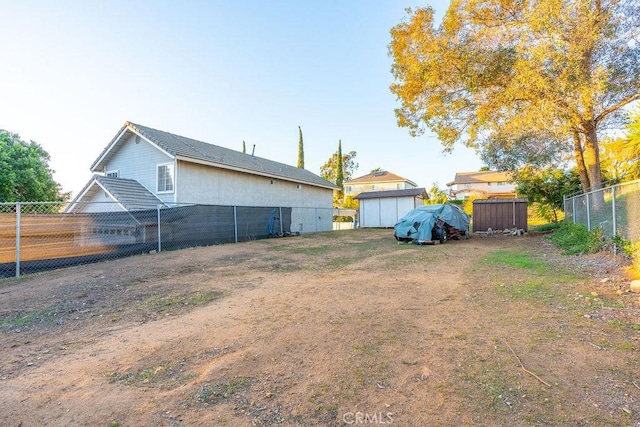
[(436, 195), (329, 170), (534, 79), (300, 149), (546, 188), (25, 174)]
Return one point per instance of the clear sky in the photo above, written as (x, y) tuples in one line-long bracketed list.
[(221, 71)]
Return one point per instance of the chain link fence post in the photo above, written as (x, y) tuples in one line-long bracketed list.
[(159, 232), (235, 222), (18, 217)]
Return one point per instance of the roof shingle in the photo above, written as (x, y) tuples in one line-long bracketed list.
[(187, 148)]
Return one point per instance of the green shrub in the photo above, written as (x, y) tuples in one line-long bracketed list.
[(545, 227), (577, 239)]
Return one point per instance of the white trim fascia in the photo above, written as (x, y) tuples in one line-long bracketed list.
[(249, 171), (117, 139), (112, 144), (77, 200), (124, 209), (175, 180), (158, 165)]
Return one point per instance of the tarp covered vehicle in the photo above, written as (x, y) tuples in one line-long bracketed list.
[(428, 223)]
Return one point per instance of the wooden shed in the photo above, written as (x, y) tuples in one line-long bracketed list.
[(499, 214)]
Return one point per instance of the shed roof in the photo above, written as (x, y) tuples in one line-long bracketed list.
[(192, 150), (409, 192)]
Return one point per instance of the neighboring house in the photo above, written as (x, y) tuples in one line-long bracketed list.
[(377, 181), (144, 167), (385, 208), (485, 184)]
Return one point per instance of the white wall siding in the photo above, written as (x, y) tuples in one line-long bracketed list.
[(406, 204), (138, 161), (384, 212), (370, 213), (98, 201), (379, 186)]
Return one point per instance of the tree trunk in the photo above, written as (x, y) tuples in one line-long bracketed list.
[(582, 169), (591, 157)]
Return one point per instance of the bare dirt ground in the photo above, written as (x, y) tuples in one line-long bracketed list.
[(343, 328)]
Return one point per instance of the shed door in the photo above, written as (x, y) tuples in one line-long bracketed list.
[(370, 213), (388, 212), (405, 204)]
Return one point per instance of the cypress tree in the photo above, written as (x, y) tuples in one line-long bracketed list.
[(339, 176), (340, 172), (300, 150)]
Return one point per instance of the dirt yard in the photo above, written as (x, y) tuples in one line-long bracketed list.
[(332, 329)]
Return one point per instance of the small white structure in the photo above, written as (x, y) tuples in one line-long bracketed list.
[(385, 208), (143, 167)]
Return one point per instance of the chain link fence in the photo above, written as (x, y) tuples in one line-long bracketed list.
[(44, 236), (615, 209)]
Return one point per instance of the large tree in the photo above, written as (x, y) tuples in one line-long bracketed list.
[(25, 174), (526, 77), (300, 149), (546, 188), (329, 170)]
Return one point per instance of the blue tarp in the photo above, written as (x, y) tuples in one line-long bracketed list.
[(418, 223)]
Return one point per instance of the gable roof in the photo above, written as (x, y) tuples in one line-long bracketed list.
[(409, 192), (381, 176), (191, 150), (129, 193), (480, 177)]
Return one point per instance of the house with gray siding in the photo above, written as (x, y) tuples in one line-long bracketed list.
[(142, 166)]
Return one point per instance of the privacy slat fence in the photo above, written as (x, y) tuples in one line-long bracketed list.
[(42, 236)]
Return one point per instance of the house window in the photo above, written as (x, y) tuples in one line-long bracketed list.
[(165, 178), (347, 189), (502, 183), (467, 186), (113, 174)]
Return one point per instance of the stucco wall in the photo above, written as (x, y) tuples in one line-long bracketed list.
[(204, 184)]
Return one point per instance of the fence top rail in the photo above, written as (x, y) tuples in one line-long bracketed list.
[(32, 203), (622, 184)]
